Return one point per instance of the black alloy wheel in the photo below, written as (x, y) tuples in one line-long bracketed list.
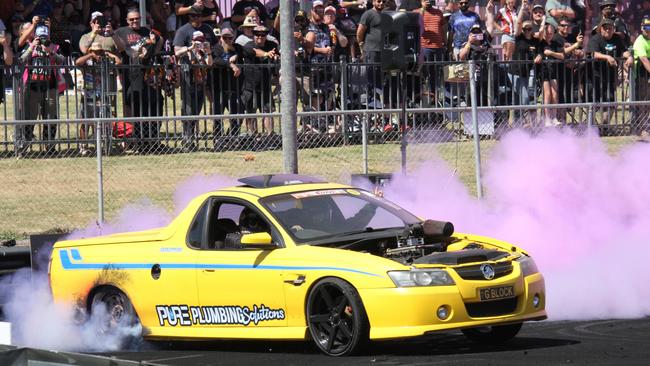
[(492, 335), (337, 319)]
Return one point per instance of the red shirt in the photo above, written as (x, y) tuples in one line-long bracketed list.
[(433, 33)]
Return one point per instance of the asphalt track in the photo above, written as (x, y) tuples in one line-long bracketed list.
[(602, 342)]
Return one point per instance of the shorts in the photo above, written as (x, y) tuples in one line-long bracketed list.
[(255, 100), (505, 38)]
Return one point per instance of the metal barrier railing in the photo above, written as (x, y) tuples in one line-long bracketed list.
[(177, 93)]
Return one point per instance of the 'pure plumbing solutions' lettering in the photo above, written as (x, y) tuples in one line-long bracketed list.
[(184, 315)]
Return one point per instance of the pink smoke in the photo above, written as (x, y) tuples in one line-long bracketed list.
[(581, 212)]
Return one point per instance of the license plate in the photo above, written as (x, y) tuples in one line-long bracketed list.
[(496, 293)]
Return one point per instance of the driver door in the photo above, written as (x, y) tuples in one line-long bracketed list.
[(237, 286)]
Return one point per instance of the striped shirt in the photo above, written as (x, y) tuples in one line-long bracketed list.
[(433, 35)]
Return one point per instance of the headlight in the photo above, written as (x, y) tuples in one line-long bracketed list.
[(527, 264), (431, 277)]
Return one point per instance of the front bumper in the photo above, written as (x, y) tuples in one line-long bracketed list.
[(408, 312)]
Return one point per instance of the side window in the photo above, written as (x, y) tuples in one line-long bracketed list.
[(229, 221), (230, 211), (195, 234)]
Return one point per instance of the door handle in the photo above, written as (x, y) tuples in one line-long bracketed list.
[(208, 270)]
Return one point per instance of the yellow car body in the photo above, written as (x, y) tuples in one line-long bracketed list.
[(181, 289)]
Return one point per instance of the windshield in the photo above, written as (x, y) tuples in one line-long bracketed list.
[(323, 214)]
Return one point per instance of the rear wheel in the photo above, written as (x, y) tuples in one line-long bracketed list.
[(115, 318), (492, 334), (337, 319)]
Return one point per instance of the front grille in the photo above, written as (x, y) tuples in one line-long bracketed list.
[(474, 272), (491, 308)]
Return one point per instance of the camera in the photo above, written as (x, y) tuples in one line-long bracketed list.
[(102, 21)]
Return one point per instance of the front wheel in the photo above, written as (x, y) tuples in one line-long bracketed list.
[(494, 334), (337, 319)]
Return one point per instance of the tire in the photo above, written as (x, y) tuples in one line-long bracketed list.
[(112, 314), (336, 318), (492, 335)]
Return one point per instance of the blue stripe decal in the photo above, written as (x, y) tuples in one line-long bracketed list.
[(75, 254), (69, 265)]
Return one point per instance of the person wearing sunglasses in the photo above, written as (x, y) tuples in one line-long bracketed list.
[(227, 84), (263, 56), (606, 50), (608, 11), (523, 75), (192, 47), (142, 99), (460, 24)]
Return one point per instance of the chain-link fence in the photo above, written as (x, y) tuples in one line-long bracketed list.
[(349, 122)]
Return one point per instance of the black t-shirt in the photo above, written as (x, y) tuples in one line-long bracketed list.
[(613, 47), (525, 50), (243, 7), (134, 40), (372, 20), (409, 5), (556, 45), (619, 27), (227, 82), (258, 77), (204, 12), (355, 12)]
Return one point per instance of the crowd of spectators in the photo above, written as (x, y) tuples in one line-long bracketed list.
[(226, 59)]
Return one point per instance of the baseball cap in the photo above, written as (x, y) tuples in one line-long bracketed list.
[(316, 3), (604, 3), (330, 9), (537, 6), (645, 24), (227, 32), (301, 14), (198, 36), (95, 14), (605, 21)]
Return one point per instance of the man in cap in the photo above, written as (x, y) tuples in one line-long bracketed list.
[(93, 101), (608, 11), (143, 99), (539, 21), (528, 51), (257, 93), (101, 31), (605, 48), (41, 88), (640, 115), (192, 45)]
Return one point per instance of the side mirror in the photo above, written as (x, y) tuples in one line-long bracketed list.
[(260, 240)]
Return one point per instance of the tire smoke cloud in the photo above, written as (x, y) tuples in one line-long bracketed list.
[(581, 212)]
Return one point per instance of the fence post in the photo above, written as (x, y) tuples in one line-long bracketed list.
[(477, 145), (100, 172), (364, 141), (590, 116), (344, 97), (288, 108)]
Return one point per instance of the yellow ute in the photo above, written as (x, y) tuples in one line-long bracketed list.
[(292, 257)]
